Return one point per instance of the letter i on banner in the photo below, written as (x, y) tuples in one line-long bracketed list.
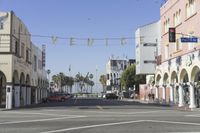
[(123, 41), (72, 41), (54, 39), (106, 41)]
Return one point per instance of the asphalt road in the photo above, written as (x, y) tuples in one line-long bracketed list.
[(98, 116)]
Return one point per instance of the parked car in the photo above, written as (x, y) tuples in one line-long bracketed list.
[(59, 97), (69, 95), (111, 96)]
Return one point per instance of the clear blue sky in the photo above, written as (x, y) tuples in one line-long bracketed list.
[(84, 19)]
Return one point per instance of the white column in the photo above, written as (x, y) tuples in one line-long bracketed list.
[(157, 93), (36, 95), (9, 91), (24, 94), (28, 97), (164, 93), (39, 95), (171, 94), (180, 96), (17, 96), (192, 97)]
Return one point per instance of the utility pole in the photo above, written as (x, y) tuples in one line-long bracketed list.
[(96, 77)]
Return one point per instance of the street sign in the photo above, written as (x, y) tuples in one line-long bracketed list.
[(189, 39)]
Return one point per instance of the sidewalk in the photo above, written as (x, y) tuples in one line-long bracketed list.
[(184, 108), (145, 102)]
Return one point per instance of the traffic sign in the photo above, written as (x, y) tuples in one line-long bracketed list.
[(189, 39)]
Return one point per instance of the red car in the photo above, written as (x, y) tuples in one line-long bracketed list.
[(59, 97)]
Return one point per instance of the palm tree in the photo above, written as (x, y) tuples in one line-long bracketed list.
[(103, 81), (69, 81), (56, 80)]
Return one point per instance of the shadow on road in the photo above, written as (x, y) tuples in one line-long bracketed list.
[(92, 103)]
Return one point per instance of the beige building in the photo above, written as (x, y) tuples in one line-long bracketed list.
[(22, 76), (178, 70)]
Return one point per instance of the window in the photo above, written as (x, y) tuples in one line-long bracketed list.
[(22, 50), (27, 53), (108, 76), (1, 25), (190, 8), (16, 48), (35, 63), (177, 17), (166, 25)]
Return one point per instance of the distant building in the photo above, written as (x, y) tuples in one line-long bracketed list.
[(23, 79), (114, 70), (147, 48)]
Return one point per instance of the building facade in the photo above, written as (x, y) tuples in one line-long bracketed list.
[(19, 83), (178, 70), (147, 47)]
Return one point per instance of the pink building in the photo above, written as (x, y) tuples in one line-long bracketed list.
[(178, 71)]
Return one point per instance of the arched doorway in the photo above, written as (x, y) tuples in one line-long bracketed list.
[(158, 84), (184, 78), (165, 79), (16, 85), (28, 89), (166, 91), (22, 89), (174, 81), (158, 80), (2, 89), (195, 78)]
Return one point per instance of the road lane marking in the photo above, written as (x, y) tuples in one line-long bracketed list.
[(34, 113), (174, 122), (40, 120), (99, 107), (127, 113), (194, 115), (92, 126)]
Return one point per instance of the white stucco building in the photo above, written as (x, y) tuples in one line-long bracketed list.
[(147, 48), (114, 70), (20, 84)]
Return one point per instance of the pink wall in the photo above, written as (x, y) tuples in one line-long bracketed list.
[(186, 25)]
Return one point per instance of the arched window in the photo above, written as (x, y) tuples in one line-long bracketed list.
[(16, 48), (1, 25), (190, 8)]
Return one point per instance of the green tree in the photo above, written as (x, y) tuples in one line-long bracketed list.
[(56, 80), (129, 78)]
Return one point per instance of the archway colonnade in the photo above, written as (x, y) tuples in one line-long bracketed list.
[(23, 91), (179, 87)]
